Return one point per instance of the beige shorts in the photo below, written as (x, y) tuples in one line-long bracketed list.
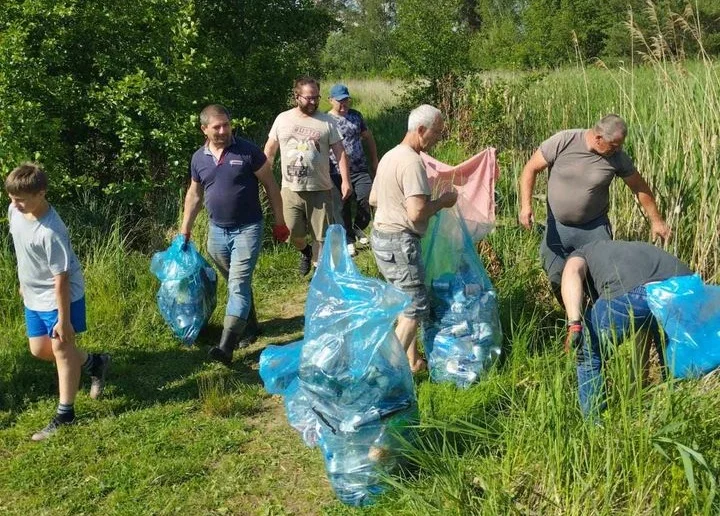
[(307, 213)]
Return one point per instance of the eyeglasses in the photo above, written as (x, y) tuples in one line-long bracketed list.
[(310, 99)]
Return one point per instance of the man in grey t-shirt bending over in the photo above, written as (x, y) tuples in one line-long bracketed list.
[(582, 164), (618, 271)]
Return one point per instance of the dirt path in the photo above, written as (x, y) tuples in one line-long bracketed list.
[(287, 477)]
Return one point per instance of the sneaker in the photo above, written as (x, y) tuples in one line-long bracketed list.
[(305, 264), (351, 250), (51, 429), (362, 238), (97, 377)]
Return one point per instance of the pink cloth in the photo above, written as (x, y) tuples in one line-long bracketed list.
[(474, 180)]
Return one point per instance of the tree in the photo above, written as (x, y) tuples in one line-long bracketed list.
[(431, 38), (362, 44), (106, 94)]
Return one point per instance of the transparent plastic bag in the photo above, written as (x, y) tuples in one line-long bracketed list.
[(462, 336), (689, 312), (188, 289), (353, 393), (279, 366)]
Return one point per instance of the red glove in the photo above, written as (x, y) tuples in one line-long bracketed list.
[(280, 232), (574, 338)]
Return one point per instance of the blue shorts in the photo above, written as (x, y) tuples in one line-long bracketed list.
[(42, 323)]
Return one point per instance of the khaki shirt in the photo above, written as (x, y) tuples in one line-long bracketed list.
[(400, 174)]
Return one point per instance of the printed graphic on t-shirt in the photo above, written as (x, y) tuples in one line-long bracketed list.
[(302, 149), (351, 127)]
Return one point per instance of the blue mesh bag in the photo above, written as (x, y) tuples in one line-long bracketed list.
[(188, 289)]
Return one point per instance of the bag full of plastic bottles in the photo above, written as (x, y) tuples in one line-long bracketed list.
[(689, 312), (462, 336), (353, 395), (279, 366), (188, 288)]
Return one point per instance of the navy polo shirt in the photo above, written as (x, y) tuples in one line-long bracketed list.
[(232, 196)]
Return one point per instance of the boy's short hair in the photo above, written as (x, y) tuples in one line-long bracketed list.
[(27, 178)]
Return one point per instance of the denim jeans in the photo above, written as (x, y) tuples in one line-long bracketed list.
[(608, 323), (235, 252)]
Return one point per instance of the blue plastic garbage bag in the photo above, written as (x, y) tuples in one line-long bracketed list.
[(353, 395), (188, 289), (279, 366), (689, 312), (462, 336)]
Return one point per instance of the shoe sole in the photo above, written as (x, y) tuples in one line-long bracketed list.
[(42, 435)]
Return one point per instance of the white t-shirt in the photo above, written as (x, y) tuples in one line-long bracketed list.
[(43, 250), (305, 149)]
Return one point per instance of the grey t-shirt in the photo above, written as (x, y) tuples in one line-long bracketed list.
[(43, 251), (579, 180), (616, 266)]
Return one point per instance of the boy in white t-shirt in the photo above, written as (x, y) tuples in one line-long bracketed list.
[(53, 291)]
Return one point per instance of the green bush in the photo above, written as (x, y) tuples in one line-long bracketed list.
[(107, 94)]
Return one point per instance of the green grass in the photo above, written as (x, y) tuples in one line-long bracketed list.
[(178, 434)]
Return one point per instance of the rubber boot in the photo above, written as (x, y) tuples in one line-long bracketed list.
[(252, 330), (233, 329)]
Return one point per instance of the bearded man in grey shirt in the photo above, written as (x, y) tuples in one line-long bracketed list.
[(582, 164)]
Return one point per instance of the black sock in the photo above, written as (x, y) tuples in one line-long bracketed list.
[(90, 363), (307, 251), (65, 412)]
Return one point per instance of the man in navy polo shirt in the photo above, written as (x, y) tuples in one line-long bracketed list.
[(226, 172)]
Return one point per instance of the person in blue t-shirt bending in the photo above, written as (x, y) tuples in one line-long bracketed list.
[(354, 131), (226, 172)]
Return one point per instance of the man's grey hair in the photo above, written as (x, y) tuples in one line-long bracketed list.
[(424, 115), (610, 127), (211, 111)]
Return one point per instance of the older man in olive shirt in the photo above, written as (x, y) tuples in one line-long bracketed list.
[(582, 164)]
